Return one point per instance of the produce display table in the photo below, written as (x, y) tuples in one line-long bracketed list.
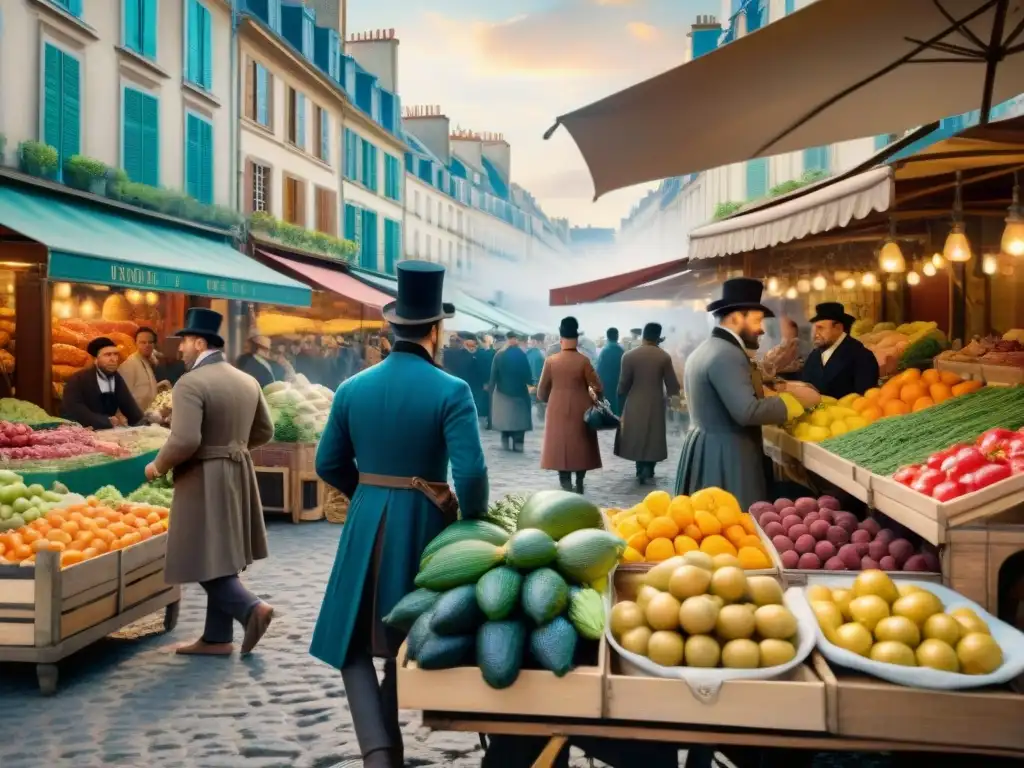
[(47, 614), (124, 474), (288, 483)]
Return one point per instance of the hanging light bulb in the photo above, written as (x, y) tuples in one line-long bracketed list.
[(819, 283), (937, 261), (957, 248), (791, 293), (62, 291), (929, 269), (891, 285), (989, 264), (913, 278), (773, 285), (803, 285), (890, 257), (1013, 233), (869, 280), (849, 284)]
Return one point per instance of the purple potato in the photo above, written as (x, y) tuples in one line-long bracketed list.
[(825, 550), (862, 548), (835, 564), (917, 564), (818, 529), (867, 564), (782, 544), (878, 549), (848, 522), (850, 557), (809, 562), (769, 517), (811, 517), (758, 508), (901, 550), (871, 526), (837, 535), (790, 511), (827, 515), (774, 529), (797, 531), (781, 504), (790, 520), (932, 561), (860, 535), (790, 559), (885, 535), (805, 544), (888, 563), (828, 502), (805, 505)]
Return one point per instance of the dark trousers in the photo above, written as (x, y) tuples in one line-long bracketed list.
[(645, 469), (565, 478), (227, 601), (374, 708), (516, 438)]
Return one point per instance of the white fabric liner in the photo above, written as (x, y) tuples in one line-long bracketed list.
[(829, 207)]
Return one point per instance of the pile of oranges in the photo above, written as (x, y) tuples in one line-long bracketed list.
[(711, 521), (911, 391), (82, 532)]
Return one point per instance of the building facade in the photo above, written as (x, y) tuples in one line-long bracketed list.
[(134, 84)]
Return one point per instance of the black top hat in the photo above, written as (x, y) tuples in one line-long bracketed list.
[(467, 336), (99, 343), (503, 336), (511, 335), (636, 331), (834, 311), (569, 328), (612, 334), (204, 323), (538, 337), (420, 284), (652, 332), (738, 294)]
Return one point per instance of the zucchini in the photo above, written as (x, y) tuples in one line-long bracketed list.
[(445, 652), (462, 562), (554, 645), (530, 548), (558, 513), (499, 652), (545, 595), (586, 612), (497, 592), (417, 634), (409, 608), (456, 612), (587, 555), (464, 530)]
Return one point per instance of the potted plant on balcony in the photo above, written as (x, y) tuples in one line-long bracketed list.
[(86, 174), (115, 179), (38, 159)]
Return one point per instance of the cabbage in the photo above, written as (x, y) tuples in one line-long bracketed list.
[(277, 386)]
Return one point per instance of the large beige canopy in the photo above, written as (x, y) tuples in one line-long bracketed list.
[(835, 70)]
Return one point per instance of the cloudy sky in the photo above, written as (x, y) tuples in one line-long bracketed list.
[(512, 66)]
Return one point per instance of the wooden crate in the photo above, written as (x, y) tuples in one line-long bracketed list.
[(308, 496), (974, 556), (779, 443), (47, 613), (285, 473), (865, 707), (842, 474), (275, 488), (535, 693)]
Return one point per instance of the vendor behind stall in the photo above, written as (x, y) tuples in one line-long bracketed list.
[(98, 396), (839, 365)]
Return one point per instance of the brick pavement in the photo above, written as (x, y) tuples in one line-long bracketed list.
[(131, 702)]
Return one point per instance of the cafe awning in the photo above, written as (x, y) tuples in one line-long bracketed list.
[(691, 284), (596, 290), (335, 281), (93, 243)]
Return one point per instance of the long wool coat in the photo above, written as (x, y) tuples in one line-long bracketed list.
[(609, 369), (569, 444), (725, 448), (511, 405), (403, 418), (216, 517), (647, 379)]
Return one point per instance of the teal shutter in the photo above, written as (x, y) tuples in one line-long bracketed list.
[(149, 24), (150, 140), (206, 41), (351, 156), (71, 109), (300, 120), (392, 244), (790, 6), (881, 141), (262, 100), (52, 87), (192, 155), (325, 136), (368, 246), (206, 162), (816, 159), (132, 24), (75, 6), (132, 131), (193, 55), (757, 178)]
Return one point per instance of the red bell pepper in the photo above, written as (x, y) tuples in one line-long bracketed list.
[(936, 459), (1016, 464), (907, 475), (999, 444), (990, 474), (964, 460), (947, 491), (927, 480), (988, 440)]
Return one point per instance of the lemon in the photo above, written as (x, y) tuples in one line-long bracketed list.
[(855, 422), (816, 434), (838, 428), (820, 418)]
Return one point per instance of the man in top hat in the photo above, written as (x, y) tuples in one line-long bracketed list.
[(392, 431), (259, 364), (609, 367), (511, 406), (839, 365), (726, 401), (219, 416), (97, 396), (647, 380)]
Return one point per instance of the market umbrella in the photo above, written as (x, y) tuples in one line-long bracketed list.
[(835, 70)]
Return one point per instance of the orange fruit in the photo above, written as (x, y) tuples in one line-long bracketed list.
[(895, 408), (921, 403), (931, 376), (750, 540), (163, 512), (684, 544), (56, 519), (90, 553), (940, 392), (56, 534), (70, 527), (105, 535), (911, 393), (153, 517), (693, 532), (632, 556), (40, 545), (119, 528), (660, 528), (860, 404), (872, 394), (871, 413), (99, 545), (100, 522), (71, 558), (145, 533), (717, 545), (748, 523), (753, 559), (707, 523), (30, 535), (637, 541), (949, 378), (966, 388), (658, 550), (680, 510), (735, 533), (129, 519), (131, 538), (158, 528), (22, 551)]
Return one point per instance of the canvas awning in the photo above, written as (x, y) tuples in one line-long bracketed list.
[(335, 281), (691, 284), (92, 243), (832, 71), (596, 290)]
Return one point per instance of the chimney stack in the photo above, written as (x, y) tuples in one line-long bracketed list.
[(704, 35), (429, 124), (329, 13), (376, 50)]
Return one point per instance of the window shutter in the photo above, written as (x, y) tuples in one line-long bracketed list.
[(300, 203), (325, 136), (52, 103), (132, 24), (70, 122), (75, 6), (262, 92), (205, 162), (351, 215), (150, 140), (206, 41), (248, 187), (193, 63), (149, 24), (132, 130), (300, 120), (757, 178), (192, 156), (250, 90)]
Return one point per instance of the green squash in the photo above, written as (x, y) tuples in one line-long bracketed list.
[(558, 513), (446, 652), (456, 612), (409, 608), (497, 592), (464, 530), (545, 595), (499, 652), (530, 548), (554, 645), (587, 555), (462, 562)]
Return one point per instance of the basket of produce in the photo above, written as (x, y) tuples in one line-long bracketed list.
[(913, 633), (299, 410), (709, 521), (688, 620)]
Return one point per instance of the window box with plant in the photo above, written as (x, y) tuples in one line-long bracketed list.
[(300, 238), (38, 159), (86, 173)]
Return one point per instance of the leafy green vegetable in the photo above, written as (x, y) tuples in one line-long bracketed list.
[(109, 494)]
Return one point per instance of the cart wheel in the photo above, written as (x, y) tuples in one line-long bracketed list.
[(46, 674), (171, 616)]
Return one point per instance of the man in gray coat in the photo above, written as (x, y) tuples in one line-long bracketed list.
[(217, 529), (726, 401), (646, 381)]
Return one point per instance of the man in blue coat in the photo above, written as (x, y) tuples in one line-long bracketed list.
[(390, 436), (609, 366)]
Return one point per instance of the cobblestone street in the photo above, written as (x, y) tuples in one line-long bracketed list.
[(129, 701)]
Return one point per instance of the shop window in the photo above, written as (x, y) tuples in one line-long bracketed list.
[(351, 155), (140, 156), (296, 118), (61, 98), (326, 211), (322, 133), (393, 177), (259, 94), (294, 190), (140, 20), (199, 158), (198, 45), (368, 171), (258, 185)]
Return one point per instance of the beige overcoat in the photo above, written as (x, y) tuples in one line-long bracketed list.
[(138, 374), (217, 524)]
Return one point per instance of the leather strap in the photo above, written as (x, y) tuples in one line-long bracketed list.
[(439, 494), (235, 451)]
